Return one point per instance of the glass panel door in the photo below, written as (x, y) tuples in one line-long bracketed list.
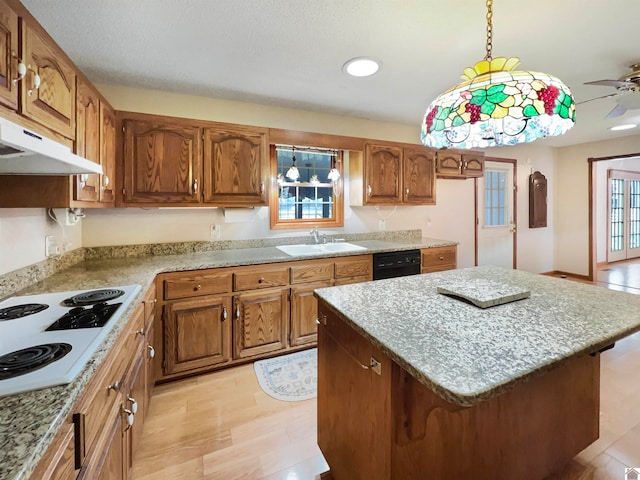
[(623, 215)]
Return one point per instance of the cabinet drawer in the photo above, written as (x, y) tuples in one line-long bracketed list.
[(149, 301), (350, 280), (314, 272), (438, 257), (354, 267), (58, 462), (191, 286), (260, 278)]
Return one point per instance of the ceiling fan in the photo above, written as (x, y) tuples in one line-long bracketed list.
[(627, 95)]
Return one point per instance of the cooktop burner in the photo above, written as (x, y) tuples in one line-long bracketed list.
[(92, 297), (29, 359), (18, 311), (81, 317)]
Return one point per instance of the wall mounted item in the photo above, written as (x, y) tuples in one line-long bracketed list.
[(537, 200)]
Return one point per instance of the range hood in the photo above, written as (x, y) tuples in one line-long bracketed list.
[(23, 152)]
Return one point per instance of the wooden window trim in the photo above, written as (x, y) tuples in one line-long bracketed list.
[(338, 200)]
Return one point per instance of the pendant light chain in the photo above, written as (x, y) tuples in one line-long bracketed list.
[(489, 29)]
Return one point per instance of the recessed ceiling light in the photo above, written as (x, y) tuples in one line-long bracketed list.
[(626, 126), (361, 66)]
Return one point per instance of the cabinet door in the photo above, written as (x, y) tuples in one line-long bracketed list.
[(197, 333), (107, 154), (235, 166), (304, 312), (260, 321), (8, 56), (419, 176), (473, 165), (448, 163), (87, 187), (149, 367), (162, 163), (382, 166), (354, 403), (134, 402), (53, 103)]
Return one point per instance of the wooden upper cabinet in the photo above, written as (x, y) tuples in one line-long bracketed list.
[(473, 165), (107, 154), (162, 163), (87, 187), (419, 176), (236, 166), (8, 56), (53, 103), (457, 165), (382, 181)]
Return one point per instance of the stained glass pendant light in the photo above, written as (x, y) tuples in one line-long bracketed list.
[(496, 105), (293, 172)]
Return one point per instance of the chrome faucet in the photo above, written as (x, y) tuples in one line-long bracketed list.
[(314, 235)]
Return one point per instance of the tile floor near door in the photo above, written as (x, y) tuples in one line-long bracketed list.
[(222, 426)]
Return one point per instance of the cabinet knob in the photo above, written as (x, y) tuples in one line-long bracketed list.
[(140, 332), (369, 190), (407, 190), (237, 311), (134, 405), (195, 186), (115, 386), (105, 182), (262, 188), (197, 287), (261, 280), (441, 257), (35, 85), (152, 351), (224, 313)]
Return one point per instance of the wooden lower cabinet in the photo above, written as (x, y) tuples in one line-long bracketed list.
[(58, 462), (438, 259), (197, 333), (260, 321), (134, 406), (304, 312)]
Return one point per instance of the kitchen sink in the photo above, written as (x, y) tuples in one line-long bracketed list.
[(319, 249)]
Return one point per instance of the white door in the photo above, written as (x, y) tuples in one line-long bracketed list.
[(496, 227), (623, 215)]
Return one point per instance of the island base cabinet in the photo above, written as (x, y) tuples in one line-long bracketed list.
[(390, 426)]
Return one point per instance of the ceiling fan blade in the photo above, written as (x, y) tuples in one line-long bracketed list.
[(616, 112), (608, 83), (598, 98)]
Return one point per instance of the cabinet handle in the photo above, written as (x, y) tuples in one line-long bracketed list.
[(140, 332), (105, 182), (197, 287), (36, 83), (407, 190), (115, 386), (368, 190), (130, 418), (195, 186), (21, 69), (237, 311), (155, 300), (224, 313), (152, 351), (261, 280), (464, 165), (134, 405), (321, 320), (262, 188)]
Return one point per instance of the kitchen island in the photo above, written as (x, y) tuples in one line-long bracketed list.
[(413, 384)]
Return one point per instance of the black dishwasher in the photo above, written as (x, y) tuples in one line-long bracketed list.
[(396, 264)]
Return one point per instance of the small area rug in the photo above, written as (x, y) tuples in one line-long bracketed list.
[(290, 377)]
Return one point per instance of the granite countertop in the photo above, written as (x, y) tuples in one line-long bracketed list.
[(29, 421), (466, 354)]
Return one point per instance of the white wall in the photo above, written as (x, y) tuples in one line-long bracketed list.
[(572, 199), (22, 234)]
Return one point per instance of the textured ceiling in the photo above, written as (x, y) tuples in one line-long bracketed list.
[(290, 52)]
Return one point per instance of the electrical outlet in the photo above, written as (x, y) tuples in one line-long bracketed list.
[(216, 232), (51, 247), (382, 225)]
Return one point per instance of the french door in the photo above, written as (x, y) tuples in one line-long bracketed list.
[(623, 215)]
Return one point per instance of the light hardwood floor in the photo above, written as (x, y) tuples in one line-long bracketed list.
[(222, 426)]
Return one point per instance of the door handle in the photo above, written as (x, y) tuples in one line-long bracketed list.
[(512, 228)]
